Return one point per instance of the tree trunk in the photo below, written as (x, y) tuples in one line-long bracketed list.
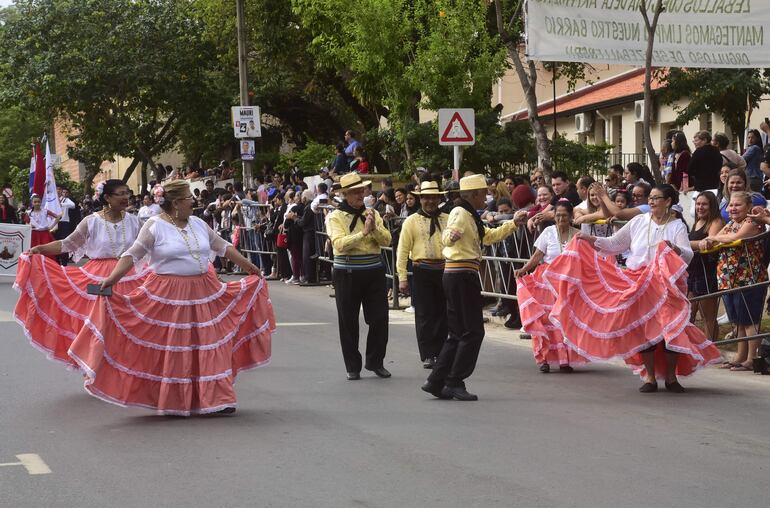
[(651, 27), (528, 79)]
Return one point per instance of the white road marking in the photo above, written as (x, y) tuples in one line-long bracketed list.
[(31, 462)]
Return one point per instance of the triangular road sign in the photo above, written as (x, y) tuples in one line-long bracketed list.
[(456, 131)]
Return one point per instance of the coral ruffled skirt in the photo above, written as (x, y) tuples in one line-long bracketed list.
[(53, 302), (177, 343), (536, 299), (606, 312)]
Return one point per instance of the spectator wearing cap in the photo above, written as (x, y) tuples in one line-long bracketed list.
[(357, 235), (462, 239), (420, 242)]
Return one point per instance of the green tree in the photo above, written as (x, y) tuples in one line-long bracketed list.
[(509, 25), (125, 74), (433, 54), (726, 92), (17, 130)]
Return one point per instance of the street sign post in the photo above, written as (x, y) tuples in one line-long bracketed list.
[(456, 128)]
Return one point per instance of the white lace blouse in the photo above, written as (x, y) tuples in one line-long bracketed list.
[(171, 251), (100, 239), (641, 237), (548, 242)]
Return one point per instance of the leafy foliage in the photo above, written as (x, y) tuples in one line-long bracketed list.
[(308, 160), (578, 159), (726, 92), (135, 70)]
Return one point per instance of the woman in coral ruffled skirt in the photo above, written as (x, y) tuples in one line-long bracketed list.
[(536, 296), (176, 343), (53, 302), (640, 314)]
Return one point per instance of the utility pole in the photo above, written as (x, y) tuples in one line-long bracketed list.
[(243, 78)]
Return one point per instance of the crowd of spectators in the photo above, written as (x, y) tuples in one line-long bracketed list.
[(279, 222)]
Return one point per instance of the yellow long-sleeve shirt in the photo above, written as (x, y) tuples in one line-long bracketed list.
[(416, 243), (469, 246), (347, 243)]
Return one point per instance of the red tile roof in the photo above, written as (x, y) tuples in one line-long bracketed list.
[(628, 85)]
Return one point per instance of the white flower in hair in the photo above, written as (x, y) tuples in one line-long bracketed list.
[(98, 191), (158, 192)]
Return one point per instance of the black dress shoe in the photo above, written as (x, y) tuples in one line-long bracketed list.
[(354, 376), (674, 387), (458, 393), (566, 369), (649, 388), (513, 324), (381, 372), (545, 368), (435, 390), (225, 411)]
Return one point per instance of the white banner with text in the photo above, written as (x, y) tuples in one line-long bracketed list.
[(690, 33)]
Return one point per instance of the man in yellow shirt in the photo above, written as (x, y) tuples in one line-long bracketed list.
[(420, 241), (462, 239), (356, 235)]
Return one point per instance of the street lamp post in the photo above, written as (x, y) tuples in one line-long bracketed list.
[(243, 77)]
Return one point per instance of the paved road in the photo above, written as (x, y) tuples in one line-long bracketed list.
[(305, 437)]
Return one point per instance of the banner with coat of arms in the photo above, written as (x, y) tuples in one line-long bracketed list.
[(14, 239)]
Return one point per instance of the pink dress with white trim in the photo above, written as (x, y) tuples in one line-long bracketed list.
[(536, 299), (176, 343), (53, 302), (607, 312)]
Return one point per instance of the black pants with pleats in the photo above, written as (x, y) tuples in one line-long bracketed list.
[(466, 329), (355, 289), (430, 316)]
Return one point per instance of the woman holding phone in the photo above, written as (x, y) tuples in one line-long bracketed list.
[(54, 302)]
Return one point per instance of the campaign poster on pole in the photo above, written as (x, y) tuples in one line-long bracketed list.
[(456, 127), (248, 149), (14, 239), (246, 123)]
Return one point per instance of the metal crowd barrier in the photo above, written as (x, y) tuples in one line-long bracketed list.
[(720, 293)]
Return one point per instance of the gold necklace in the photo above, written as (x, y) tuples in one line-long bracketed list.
[(663, 228), (565, 242), (116, 249), (196, 254)]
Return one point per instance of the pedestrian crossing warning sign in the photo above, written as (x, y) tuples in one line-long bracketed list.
[(456, 126)]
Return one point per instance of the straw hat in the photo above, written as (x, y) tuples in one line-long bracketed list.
[(429, 189), (473, 182), (350, 181)]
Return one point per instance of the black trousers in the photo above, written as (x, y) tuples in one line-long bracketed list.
[(430, 316), (466, 329), (63, 231), (355, 289), (308, 249)]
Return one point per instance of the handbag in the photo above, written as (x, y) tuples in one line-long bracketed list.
[(282, 241)]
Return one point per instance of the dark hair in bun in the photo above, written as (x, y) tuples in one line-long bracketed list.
[(110, 186), (564, 203)]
